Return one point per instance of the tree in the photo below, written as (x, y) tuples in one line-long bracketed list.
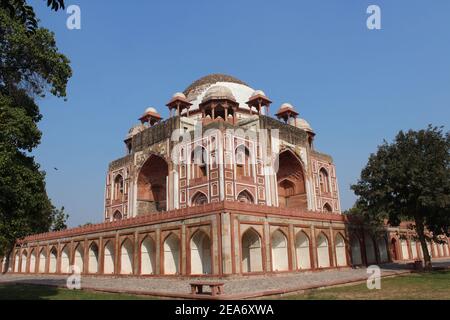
[(25, 13), (59, 219), (409, 180), (30, 67)]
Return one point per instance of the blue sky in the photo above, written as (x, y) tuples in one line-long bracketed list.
[(355, 86)]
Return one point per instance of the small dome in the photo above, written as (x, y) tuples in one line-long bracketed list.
[(151, 109), (286, 106), (218, 92), (258, 92), (179, 95), (301, 124)]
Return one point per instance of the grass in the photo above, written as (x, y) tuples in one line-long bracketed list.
[(429, 285), (41, 292), (418, 286)]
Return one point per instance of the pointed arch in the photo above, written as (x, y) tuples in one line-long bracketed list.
[(148, 256), (414, 254), (93, 256), (382, 249), (280, 251), (303, 251), (65, 259), (33, 260), (355, 244), (246, 196), (199, 198), (79, 257), (118, 188), (171, 254), (117, 215), (251, 251), (152, 185), (405, 251), (324, 181), (126, 257), (23, 267), (244, 163), (370, 249), (327, 208), (17, 262), (200, 253), (42, 260), (291, 181), (53, 262), (108, 257), (340, 250), (199, 162), (323, 251)]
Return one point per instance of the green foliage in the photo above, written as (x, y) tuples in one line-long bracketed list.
[(59, 219), (24, 13), (30, 66), (409, 180)]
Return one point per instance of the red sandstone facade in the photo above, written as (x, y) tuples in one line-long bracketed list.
[(218, 198)]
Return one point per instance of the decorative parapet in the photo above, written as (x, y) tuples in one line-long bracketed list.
[(216, 207)]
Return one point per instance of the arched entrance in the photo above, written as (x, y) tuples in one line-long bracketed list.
[(79, 257), (23, 267), (323, 251), (126, 257), (381, 243), (405, 251), (341, 255), (302, 250), (280, 260), (151, 193), (356, 252), (246, 197), (108, 258), (172, 255), (42, 261), (147, 256), (33, 261), (370, 249), (200, 253), (93, 258), (53, 260), (291, 181), (251, 251), (65, 260)]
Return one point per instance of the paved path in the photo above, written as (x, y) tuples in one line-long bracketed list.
[(234, 287)]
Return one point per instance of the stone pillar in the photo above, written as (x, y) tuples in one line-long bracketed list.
[(101, 256), (183, 255), (117, 254), (314, 262), (332, 247), (158, 251), (225, 228), (267, 264), (292, 247), (237, 245), (136, 253), (215, 263)]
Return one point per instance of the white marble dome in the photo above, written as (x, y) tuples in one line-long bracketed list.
[(287, 106), (195, 93), (258, 92), (179, 95), (301, 124), (218, 92), (151, 109)]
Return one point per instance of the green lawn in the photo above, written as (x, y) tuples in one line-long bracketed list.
[(432, 285), (39, 292)]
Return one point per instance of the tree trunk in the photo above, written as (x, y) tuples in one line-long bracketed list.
[(421, 233), (7, 260)]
